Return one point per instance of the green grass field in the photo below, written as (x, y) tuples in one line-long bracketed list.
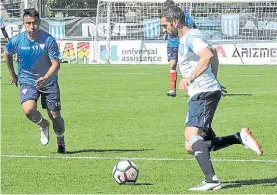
[(115, 112)]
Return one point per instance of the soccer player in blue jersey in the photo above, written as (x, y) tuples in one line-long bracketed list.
[(172, 49), (204, 90), (37, 75), (172, 52)]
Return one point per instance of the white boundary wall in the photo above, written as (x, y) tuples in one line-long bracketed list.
[(248, 54), (187, 1), (155, 52)]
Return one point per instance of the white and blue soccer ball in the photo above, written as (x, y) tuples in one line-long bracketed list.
[(125, 172)]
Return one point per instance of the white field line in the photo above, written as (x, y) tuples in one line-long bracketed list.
[(133, 158), (160, 72)]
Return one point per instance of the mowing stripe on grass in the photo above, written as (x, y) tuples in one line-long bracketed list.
[(133, 158)]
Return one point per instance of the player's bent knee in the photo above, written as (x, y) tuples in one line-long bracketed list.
[(190, 142), (195, 139), (33, 116), (191, 132), (54, 115), (28, 112), (187, 145), (188, 135), (188, 148)]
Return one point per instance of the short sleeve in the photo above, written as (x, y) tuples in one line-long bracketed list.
[(53, 49), (196, 43), (11, 46)]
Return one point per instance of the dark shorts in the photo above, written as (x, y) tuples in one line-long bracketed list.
[(172, 53), (50, 95), (201, 112)]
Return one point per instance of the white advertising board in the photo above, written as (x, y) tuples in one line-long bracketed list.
[(155, 52), (133, 52), (248, 54)]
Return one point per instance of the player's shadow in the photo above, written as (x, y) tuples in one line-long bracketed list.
[(142, 184), (232, 94), (106, 150), (240, 183), (238, 94)]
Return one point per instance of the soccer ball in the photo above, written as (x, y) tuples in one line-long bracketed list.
[(125, 172)]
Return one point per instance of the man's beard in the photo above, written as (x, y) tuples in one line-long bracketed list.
[(174, 31)]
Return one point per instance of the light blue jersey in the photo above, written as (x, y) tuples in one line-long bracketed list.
[(191, 44), (173, 40), (33, 57)]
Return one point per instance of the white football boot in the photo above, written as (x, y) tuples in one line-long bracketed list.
[(44, 135), (249, 141), (171, 93), (203, 186)]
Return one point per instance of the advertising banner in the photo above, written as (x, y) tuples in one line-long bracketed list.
[(155, 52), (76, 52), (248, 54), (134, 52)]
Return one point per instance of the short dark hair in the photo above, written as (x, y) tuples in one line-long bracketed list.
[(168, 3), (31, 12), (172, 13)]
